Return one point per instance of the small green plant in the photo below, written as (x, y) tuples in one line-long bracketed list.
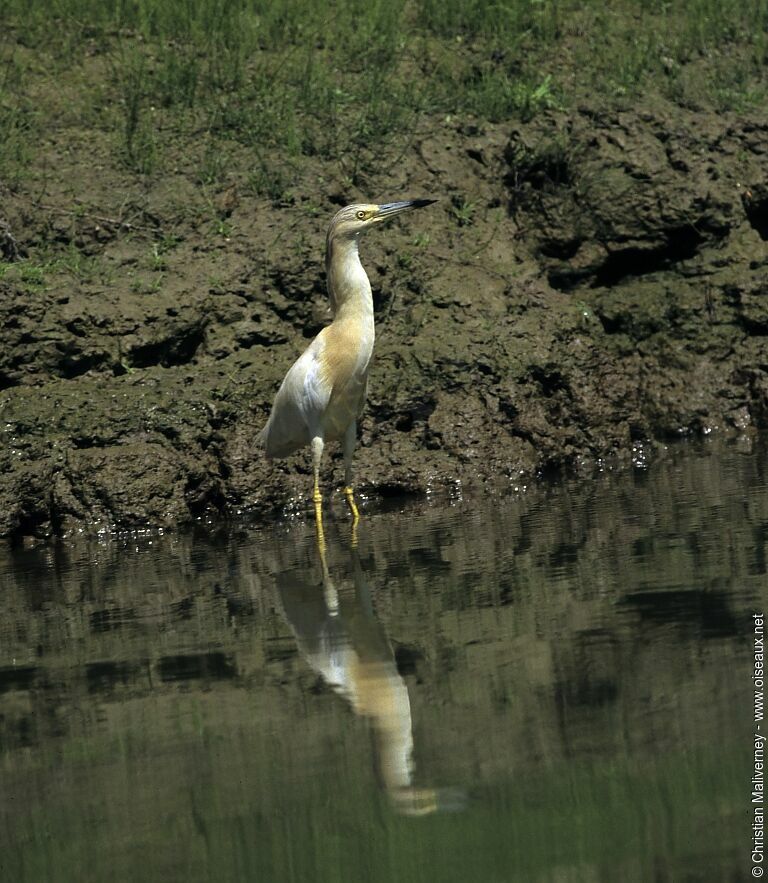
[(463, 210), (542, 166), (155, 284), (139, 147), (495, 96), (405, 260), (73, 261), (222, 227), (269, 179), (157, 260), (165, 244), (29, 274), (178, 77)]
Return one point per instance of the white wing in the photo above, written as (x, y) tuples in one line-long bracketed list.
[(299, 404)]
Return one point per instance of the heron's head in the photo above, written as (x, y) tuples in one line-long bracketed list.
[(353, 220)]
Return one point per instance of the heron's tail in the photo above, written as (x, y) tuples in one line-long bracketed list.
[(261, 438), (275, 441)]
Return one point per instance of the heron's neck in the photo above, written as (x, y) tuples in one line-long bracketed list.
[(348, 285)]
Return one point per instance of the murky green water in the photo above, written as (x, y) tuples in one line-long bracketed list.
[(554, 686)]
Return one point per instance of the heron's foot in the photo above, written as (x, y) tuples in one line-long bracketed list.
[(350, 495), (416, 801)]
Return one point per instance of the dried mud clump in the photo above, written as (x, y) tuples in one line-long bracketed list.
[(588, 281)]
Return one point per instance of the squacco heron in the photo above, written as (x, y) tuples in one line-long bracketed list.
[(323, 393)]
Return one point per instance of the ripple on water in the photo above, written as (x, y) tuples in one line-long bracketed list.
[(556, 683)]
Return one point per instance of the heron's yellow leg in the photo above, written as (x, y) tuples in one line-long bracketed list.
[(317, 497), (350, 436)]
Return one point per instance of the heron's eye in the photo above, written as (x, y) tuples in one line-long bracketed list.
[(361, 216)]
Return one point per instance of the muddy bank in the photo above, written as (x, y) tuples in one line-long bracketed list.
[(589, 282)]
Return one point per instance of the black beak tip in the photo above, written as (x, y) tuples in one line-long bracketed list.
[(421, 203)]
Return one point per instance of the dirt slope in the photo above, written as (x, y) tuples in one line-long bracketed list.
[(588, 282)]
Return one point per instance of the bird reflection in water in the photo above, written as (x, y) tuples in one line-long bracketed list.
[(338, 634)]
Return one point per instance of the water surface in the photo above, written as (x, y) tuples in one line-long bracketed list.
[(554, 685)]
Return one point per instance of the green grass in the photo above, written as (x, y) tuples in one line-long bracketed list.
[(17, 119), (350, 82), (38, 273)]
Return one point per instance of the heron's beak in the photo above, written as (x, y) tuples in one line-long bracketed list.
[(395, 208)]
